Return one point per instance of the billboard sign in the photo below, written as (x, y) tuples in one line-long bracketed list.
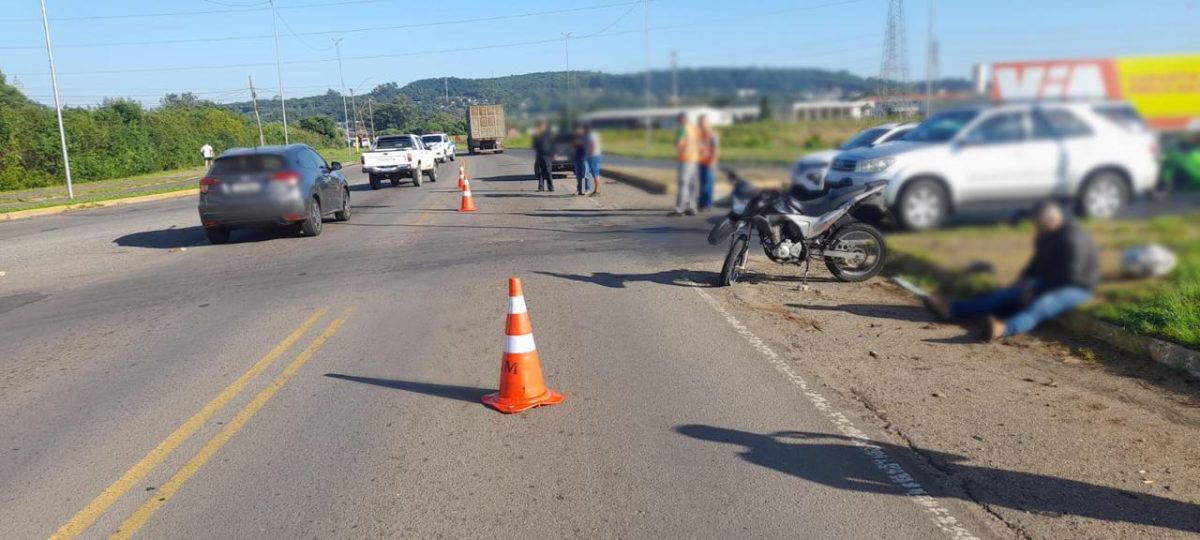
[(1164, 89)]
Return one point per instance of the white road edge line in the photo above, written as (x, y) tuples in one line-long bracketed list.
[(939, 515)]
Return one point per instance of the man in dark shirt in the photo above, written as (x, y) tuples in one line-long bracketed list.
[(1061, 276), (543, 150)]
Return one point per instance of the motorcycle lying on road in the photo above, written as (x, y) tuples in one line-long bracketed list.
[(831, 223)]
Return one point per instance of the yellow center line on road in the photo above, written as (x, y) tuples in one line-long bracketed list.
[(143, 514), (90, 513)]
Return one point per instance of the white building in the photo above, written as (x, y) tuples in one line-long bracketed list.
[(807, 111)]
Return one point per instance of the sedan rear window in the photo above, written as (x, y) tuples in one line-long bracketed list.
[(248, 164), (394, 143), (1121, 114)]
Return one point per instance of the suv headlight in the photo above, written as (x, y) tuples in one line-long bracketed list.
[(875, 165)]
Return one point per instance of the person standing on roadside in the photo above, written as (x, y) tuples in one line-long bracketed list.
[(709, 152), (592, 142), (583, 173), (206, 151), (687, 144), (543, 150)]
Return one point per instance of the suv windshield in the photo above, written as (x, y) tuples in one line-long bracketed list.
[(249, 163), (394, 143), (863, 139), (430, 139), (942, 127)]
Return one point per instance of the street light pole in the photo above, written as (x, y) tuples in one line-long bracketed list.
[(62, 132), (279, 73), (354, 107), (646, 52), (567, 48), (345, 113)]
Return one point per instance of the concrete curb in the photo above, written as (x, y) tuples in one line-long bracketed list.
[(1163, 352), (53, 210)]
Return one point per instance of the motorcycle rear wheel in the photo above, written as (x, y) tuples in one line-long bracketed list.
[(863, 239), (735, 261)]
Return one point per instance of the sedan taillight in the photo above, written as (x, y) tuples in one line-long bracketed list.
[(288, 178), (207, 183)]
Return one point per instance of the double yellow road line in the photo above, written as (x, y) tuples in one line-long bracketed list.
[(99, 505)]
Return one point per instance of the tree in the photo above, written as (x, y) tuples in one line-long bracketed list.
[(397, 114), (321, 125), (764, 109)]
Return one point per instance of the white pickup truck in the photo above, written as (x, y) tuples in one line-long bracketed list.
[(394, 157)]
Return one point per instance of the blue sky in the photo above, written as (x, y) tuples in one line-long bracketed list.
[(112, 48)]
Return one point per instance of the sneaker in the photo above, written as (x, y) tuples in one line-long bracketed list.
[(938, 306), (674, 213), (689, 212), (993, 329)]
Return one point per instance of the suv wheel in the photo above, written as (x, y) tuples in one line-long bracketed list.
[(416, 176), (433, 173), (452, 156), (217, 235), (923, 204), (311, 226), (344, 213), (1103, 195)]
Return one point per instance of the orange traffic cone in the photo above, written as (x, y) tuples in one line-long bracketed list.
[(521, 384), (462, 178), (468, 202)]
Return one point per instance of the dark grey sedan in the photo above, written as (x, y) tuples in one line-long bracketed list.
[(286, 186)]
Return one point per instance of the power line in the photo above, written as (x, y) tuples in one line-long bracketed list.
[(193, 13), (447, 22)]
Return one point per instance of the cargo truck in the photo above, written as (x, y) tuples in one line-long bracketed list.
[(485, 128)]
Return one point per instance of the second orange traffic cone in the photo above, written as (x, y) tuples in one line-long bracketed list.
[(468, 202), (521, 383), (462, 178)]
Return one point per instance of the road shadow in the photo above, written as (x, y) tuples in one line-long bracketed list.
[(678, 278), (177, 237), (510, 178), (821, 458), (544, 194), (876, 311), (448, 391), (573, 214)]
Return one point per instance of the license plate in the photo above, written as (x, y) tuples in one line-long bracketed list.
[(245, 187)]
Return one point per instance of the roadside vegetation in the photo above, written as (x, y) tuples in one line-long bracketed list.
[(1167, 308), (770, 142)]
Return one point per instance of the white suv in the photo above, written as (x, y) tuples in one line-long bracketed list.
[(441, 145), (1010, 155)]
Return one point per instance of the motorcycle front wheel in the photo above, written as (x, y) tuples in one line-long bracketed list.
[(867, 248), (735, 261)]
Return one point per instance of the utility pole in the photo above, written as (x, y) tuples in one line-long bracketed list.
[(354, 107), (342, 76), (931, 61), (567, 48), (674, 78), (371, 109), (254, 97), (62, 132), (646, 53), (278, 73)]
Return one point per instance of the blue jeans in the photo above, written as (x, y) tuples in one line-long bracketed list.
[(708, 180), (1044, 306), (593, 164), (583, 176)]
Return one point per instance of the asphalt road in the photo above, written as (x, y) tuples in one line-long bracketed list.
[(156, 386)]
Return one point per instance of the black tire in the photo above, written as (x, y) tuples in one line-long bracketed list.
[(217, 235), (453, 156), (1103, 195), (735, 259), (375, 182), (416, 176), (433, 173), (923, 204), (312, 224), (872, 266), (344, 213)]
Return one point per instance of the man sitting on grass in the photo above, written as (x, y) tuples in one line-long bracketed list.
[(1060, 277)]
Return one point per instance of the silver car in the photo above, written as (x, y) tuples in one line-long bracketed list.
[(287, 186)]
